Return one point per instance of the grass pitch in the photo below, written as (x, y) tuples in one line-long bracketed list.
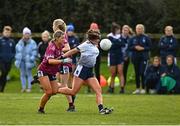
[(21, 108)]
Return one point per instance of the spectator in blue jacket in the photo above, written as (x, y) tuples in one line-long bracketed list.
[(167, 44), (7, 52), (115, 57), (26, 53), (139, 46), (153, 75)]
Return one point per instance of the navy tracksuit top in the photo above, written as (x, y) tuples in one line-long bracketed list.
[(141, 40), (168, 45), (7, 49)]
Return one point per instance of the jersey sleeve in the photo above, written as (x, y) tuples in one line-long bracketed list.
[(82, 46)]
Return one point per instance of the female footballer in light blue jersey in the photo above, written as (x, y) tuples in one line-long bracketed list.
[(84, 69)]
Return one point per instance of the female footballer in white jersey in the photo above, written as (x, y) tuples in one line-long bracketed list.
[(84, 69)]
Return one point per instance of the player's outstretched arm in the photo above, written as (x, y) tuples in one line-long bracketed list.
[(54, 61), (70, 52)]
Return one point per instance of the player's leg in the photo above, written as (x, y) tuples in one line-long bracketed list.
[(64, 76), (121, 77), (46, 85), (76, 85), (94, 84)]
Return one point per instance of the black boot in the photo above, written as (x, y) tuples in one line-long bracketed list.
[(111, 90)]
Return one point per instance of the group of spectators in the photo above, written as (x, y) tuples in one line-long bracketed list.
[(162, 76)]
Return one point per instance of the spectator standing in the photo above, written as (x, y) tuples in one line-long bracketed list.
[(168, 44), (45, 36), (115, 57), (26, 53), (126, 35), (140, 46), (7, 52)]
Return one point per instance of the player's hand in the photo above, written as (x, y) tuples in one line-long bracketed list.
[(66, 60)]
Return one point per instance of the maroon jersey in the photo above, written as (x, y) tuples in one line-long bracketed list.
[(52, 52)]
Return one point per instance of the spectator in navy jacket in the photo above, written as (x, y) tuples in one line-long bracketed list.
[(7, 52), (153, 75), (73, 42), (139, 46), (126, 35), (115, 57), (167, 45), (172, 71)]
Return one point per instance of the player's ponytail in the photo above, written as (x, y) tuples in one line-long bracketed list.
[(60, 24), (93, 34)]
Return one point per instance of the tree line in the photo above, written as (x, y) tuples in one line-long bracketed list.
[(38, 15)]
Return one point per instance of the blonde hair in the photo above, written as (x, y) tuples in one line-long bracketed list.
[(168, 27), (129, 28), (155, 58), (60, 24), (142, 26), (46, 33)]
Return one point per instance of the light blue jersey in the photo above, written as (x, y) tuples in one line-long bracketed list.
[(89, 52)]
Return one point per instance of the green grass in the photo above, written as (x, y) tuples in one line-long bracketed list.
[(129, 109), (21, 108)]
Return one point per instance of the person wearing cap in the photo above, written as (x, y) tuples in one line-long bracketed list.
[(84, 69), (7, 51), (73, 42), (25, 58)]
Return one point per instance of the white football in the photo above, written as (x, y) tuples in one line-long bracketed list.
[(105, 44)]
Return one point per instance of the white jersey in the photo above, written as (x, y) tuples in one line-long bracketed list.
[(89, 52)]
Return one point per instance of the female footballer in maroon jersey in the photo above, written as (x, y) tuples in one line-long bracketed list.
[(49, 67)]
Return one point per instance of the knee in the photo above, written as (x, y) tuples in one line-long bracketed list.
[(98, 91), (73, 93), (49, 92)]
